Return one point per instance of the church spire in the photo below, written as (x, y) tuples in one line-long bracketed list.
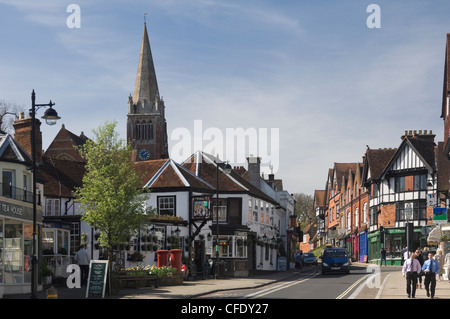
[(146, 86)]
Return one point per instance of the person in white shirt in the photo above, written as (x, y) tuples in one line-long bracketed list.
[(447, 265), (411, 269), (82, 259)]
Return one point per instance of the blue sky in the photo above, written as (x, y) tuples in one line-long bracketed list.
[(312, 69)]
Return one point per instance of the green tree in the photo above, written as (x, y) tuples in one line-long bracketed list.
[(111, 197)]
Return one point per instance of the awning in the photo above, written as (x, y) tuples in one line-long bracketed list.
[(434, 237)]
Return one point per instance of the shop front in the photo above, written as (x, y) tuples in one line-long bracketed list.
[(16, 238), (363, 247), (394, 240)]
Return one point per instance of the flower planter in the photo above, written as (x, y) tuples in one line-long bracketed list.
[(173, 280)]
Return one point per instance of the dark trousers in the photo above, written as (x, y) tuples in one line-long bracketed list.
[(430, 283), (411, 282), (84, 274)]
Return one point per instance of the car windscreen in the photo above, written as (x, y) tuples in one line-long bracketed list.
[(335, 253)]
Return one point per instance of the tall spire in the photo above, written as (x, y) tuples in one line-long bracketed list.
[(146, 86)]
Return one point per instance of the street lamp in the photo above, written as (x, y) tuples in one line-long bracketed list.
[(50, 116), (227, 170), (408, 217)]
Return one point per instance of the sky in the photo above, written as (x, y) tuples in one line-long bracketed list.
[(316, 81)]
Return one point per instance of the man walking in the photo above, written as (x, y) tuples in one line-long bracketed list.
[(411, 269), (82, 259), (430, 268), (383, 257)]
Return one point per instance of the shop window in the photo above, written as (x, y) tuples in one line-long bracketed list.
[(13, 257)]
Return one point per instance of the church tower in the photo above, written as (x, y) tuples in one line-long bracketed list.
[(146, 122)]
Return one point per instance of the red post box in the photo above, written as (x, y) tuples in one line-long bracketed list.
[(175, 259), (163, 258)]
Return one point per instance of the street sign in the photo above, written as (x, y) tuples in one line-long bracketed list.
[(431, 200), (408, 211)]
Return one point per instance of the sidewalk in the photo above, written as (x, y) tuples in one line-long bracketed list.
[(393, 286)]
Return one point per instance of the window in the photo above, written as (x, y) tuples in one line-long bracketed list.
[(365, 213), (52, 207), (222, 210), (8, 184), (357, 217), (166, 206), (420, 182), (349, 220), (400, 184)]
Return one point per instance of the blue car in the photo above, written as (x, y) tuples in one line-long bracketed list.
[(335, 260), (309, 259)]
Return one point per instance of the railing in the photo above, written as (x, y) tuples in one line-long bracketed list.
[(17, 193)]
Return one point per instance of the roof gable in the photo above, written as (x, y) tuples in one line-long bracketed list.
[(415, 152), (11, 151)]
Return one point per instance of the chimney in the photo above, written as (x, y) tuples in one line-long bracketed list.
[(22, 135), (254, 170)]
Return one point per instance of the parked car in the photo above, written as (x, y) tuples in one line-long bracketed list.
[(309, 259), (335, 260)]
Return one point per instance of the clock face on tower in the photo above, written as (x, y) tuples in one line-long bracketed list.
[(144, 154)]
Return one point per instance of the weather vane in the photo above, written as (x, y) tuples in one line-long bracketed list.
[(145, 13)]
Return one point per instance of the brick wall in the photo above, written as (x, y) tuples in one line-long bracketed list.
[(22, 135)]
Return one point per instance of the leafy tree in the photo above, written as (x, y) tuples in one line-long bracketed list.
[(111, 197)]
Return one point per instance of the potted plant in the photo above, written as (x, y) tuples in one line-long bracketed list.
[(46, 274)]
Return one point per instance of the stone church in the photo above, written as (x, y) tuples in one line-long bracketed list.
[(146, 122)]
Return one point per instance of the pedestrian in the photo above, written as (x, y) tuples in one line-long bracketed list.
[(447, 265), (82, 259), (411, 269), (440, 259), (430, 268), (298, 260), (419, 257), (383, 257)]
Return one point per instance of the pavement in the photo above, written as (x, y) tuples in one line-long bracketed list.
[(375, 285)]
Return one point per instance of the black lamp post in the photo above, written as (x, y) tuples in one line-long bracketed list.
[(50, 116), (227, 170)]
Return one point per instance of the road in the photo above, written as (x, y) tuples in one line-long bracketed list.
[(361, 283)]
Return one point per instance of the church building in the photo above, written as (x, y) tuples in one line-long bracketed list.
[(146, 122)]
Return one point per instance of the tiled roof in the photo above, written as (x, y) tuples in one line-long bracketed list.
[(319, 198), (165, 173), (205, 166), (378, 159), (61, 176)]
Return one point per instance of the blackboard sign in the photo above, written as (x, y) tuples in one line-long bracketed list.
[(98, 270)]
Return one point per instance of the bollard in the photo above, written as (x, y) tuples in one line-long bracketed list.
[(52, 293)]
